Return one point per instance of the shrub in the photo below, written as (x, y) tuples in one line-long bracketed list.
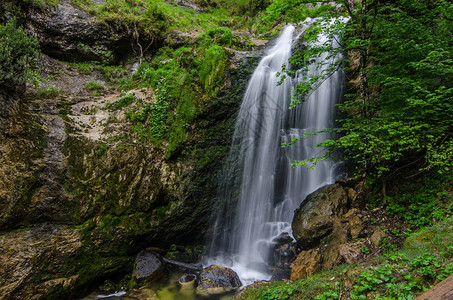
[(19, 57)]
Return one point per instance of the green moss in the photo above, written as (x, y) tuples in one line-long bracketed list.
[(213, 70), (437, 238), (217, 35), (124, 101)]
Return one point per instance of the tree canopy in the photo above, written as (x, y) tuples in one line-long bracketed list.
[(399, 55)]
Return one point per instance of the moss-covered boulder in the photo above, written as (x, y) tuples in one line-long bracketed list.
[(217, 280)]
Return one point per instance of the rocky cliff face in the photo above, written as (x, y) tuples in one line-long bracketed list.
[(81, 192)]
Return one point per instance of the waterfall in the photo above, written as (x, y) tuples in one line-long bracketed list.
[(260, 189)]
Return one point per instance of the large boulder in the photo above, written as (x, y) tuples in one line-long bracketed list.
[(329, 227), (315, 217), (217, 280)]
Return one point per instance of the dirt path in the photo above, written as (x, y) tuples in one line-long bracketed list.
[(442, 291)]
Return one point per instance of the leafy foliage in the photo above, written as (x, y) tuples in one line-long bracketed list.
[(19, 56), (402, 112)]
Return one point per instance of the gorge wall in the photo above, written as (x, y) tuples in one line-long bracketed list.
[(80, 192)]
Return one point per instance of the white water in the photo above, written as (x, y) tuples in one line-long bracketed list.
[(260, 186)]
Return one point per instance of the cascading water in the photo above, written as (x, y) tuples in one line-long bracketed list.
[(260, 189)]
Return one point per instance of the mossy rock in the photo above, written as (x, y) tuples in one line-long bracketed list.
[(217, 280)]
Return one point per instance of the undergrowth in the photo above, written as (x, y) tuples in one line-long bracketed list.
[(185, 80), (425, 260), (422, 204)]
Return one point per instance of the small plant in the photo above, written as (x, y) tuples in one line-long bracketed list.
[(446, 272), (278, 293), (396, 232), (94, 86), (365, 250), (425, 265), (101, 149), (124, 101), (330, 295)]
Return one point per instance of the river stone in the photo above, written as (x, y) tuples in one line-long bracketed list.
[(187, 281), (144, 293), (148, 266), (217, 280), (315, 217)]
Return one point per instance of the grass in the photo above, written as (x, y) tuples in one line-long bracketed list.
[(158, 17), (94, 86)]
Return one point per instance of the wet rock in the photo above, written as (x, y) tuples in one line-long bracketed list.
[(314, 219), (68, 33), (283, 238), (265, 250), (306, 264), (148, 266), (325, 226), (279, 274), (339, 236), (283, 255), (143, 293), (30, 255), (258, 266), (187, 281), (217, 280)]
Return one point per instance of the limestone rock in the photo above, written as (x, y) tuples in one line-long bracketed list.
[(376, 237), (149, 266), (29, 254), (314, 218), (339, 236), (217, 280), (66, 32), (352, 252), (356, 226), (306, 264)]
